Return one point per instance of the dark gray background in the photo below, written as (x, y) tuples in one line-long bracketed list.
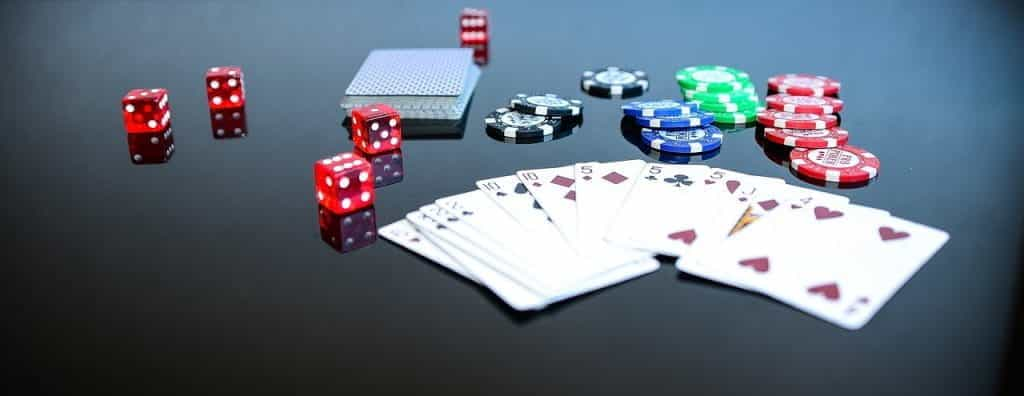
[(206, 275)]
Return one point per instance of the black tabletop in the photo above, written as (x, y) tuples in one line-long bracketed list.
[(207, 274)]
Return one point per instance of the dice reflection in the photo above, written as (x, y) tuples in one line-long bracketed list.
[(481, 53), (348, 232), (387, 168), (151, 147), (228, 123)]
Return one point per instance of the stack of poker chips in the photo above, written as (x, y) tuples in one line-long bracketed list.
[(725, 92), (535, 118), (803, 115), (673, 126)]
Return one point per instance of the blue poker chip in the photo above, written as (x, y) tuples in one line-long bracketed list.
[(695, 119), (680, 159), (658, 108), (683, 141)]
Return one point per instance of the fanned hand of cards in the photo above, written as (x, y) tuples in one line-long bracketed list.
[(545, 235)]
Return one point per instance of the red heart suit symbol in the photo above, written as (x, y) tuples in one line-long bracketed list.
[(829, 290), (769, 204), (821, 213), (887, 233), (687, 236), (732, 185), (760, 264)]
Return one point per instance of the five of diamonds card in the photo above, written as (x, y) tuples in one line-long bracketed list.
[(545, 235)]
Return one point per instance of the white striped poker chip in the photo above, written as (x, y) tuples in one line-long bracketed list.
[(808, 138), (787, 120), (804, 104), (843, 164), (658, 108), (683, 141), (694, 119), (513, 124), (804, 84), (546, 105), (614, 81)]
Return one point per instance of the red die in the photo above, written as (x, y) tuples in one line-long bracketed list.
[(376, 128), (151, 148), (348, 232), (344, 183), (473, 37), (228, 123), (473, 19), (225, 87), (145, 110)]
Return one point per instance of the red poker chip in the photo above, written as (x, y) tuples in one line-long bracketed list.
[(843, 164), (787, 120), (809, 138), (804, 104), (804, 84)]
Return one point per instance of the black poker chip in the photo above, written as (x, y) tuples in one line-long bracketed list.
[(547, 105), (614, 82), (513, 124)]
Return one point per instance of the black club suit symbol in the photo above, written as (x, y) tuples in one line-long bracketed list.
[(679, 180)]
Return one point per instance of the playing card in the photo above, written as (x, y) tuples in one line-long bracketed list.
[(727, 196), (511, 194), (515, 293), (777, 245), (405, 235), (551, 264), (555, 191), (871, 260), (601, 189), (664, 197), (769, 198)]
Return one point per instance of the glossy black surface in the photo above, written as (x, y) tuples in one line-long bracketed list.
[(207, 274)]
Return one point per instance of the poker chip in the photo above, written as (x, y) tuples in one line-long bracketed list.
[(804, 84), (722, 97), (685, 141), (804, 104), (546, 105), (695, 119), (614, 82), (529, 139), (680, 159), (709, 78), (658, 108), (729, 128), (737, 117), (775, 153), (746, 104), (808, 138), (843, 164), (785, 119), (513, 124)]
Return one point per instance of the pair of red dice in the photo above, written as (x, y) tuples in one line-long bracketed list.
[(474, 32), (147, 114), (345, 183)]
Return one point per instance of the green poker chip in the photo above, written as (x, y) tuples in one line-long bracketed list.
[(710, 78), (721, 97), (737, 117), (746, 104)]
